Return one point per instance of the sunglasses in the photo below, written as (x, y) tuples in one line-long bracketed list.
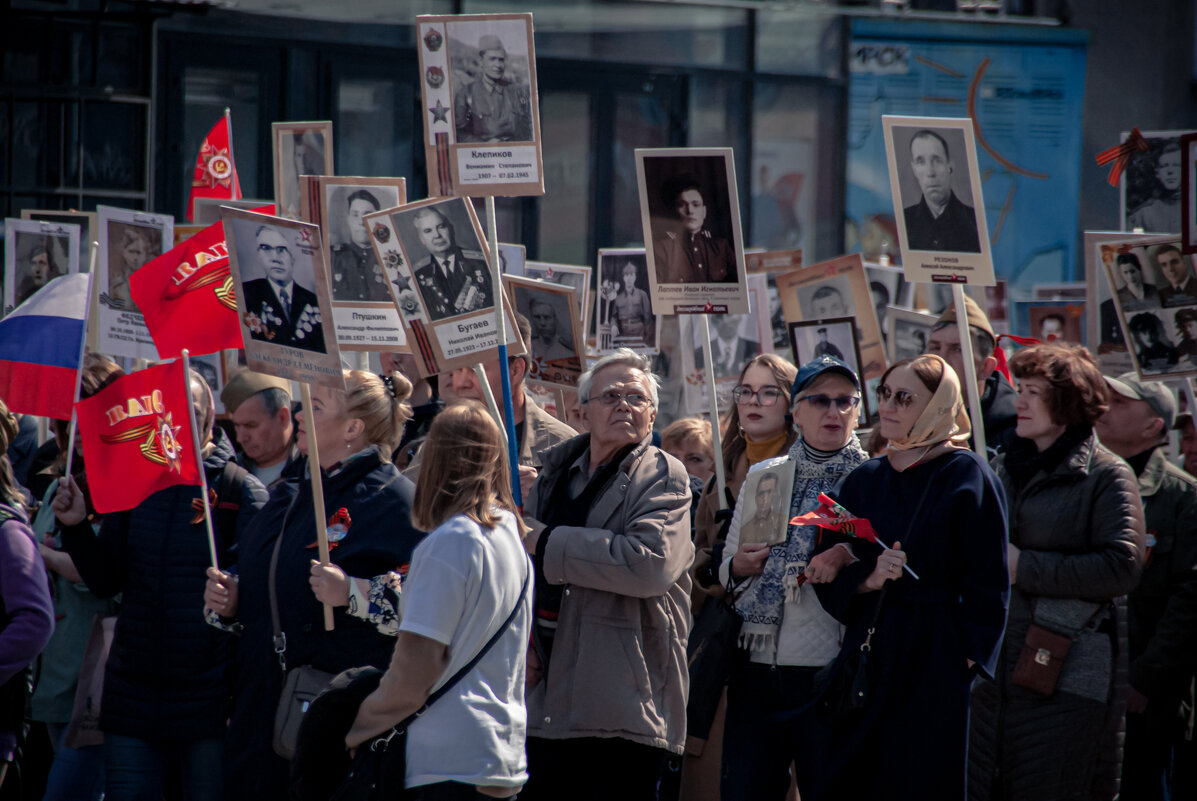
[(843, 403), (902, 399)]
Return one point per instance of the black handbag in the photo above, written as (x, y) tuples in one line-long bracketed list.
[(710, 653), (379, 767)]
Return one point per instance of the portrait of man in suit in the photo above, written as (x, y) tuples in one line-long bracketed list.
[(452, 280), (729, 351), (279, 309), (939, 220), (1179, 287)]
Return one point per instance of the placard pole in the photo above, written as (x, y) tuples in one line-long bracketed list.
[(199, 460), (970, 372), (713, 401), (317, 489), (508, 418), (88, 306)]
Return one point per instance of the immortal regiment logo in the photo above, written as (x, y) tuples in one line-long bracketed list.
[(136, 433)]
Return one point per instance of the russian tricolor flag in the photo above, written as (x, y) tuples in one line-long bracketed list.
[(39, 348)]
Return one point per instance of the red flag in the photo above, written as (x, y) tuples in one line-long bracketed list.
[(832, 516), (187, 296), (215, 173), (136, 433)]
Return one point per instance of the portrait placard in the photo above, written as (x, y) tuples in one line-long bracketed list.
[(623, 311), (549, 398), (765, 502), (836, 288), (1051, 320), (735, 339), (557, 349), (298, 148), (35, 253), (1150, 191), (1103, 331), (888, 287), (1162, 338), (481, 116), (128, 240), (938, 204), (835, 337), (88, 222), (283, 297), (442, 282), (1188, 192), (364, 312), (569, 275), (690, 212), (909, 332), (211, 367)]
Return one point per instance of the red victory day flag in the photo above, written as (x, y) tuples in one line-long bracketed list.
[(136, 433), (215, 173), (832, 516), (187, 296)]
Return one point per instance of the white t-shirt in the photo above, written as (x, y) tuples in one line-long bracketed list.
[(463, 583)]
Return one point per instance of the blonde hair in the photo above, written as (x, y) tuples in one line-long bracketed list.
[(380, 402), (463, 469), (679, 432)]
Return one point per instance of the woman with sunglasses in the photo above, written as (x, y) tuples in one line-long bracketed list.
[(1077, 544), (933, 499), (758, 428), (786, 632)]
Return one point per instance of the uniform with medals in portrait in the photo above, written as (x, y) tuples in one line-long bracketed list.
[(456, 284), (357, 275), (701, 258), (295, 323)]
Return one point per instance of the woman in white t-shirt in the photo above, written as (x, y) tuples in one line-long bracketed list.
[(465, 579)]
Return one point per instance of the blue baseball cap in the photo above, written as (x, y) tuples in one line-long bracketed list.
[(808, 372)]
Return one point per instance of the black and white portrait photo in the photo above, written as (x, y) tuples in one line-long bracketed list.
[(690, 220), (735, 339), (575, 276), (130, 247), (555, 345), (299, 148), (834, 337), (766, 513), (87, 221), (356, 274), (1174, 275), (1151, 185), (1154, 347), (37, 260), (829, 298), (492, 94), (450, 267), (625, 315), (279, 287), (1133, 285), (909, 332), (937, 198)]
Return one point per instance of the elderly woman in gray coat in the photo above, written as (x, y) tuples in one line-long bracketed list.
[(1076, 547)]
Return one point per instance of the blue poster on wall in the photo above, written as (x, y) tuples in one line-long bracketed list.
[(1023, 86)]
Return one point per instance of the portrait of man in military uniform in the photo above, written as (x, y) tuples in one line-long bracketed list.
[(764, 513), (356, 273), (494, 106), (625, 315), (686, 251), (452, 280), (551, 341)]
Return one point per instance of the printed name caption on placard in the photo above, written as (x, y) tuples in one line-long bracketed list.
[(502, 165), (361, 327)]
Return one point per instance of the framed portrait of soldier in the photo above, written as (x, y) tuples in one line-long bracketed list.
[(557, 349), (735, 339), (1103, 332), (938, 205), (479, 104), (283, 297), (690, 212), (835, 337), (909, 332), (1150, 188), (442, 283), (623, 312), (364, 313), (574, 275), (88, 222), (1188, 193), (128, 241), (836, 288), (298, 148), (35, 253), (1158, 337), (764, 505)]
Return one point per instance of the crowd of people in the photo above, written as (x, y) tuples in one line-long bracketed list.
[(1018, 624)]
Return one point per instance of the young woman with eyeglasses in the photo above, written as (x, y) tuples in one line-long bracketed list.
[(786, 633), (932, 499)]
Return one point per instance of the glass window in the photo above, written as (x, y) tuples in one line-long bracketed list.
[(371, 137), (640, 121), (206, 94), (718, 110), (565, 124), (799, 41), (114, 146)]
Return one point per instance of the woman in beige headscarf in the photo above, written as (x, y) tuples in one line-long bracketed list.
[(936, 503)]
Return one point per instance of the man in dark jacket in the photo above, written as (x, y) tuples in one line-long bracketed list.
[(997, 396), (260, 406), (1162, 610), (168, 680)]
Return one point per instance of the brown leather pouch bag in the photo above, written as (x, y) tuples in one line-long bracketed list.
[(1041, 660)]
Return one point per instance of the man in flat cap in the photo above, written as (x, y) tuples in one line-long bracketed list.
[(356, 273), (492, 107), (260, 406)]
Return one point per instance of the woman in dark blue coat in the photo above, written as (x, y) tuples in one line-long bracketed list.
[(369, 508), (936, 502)]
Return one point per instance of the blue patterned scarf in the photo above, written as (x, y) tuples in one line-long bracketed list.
[(763, 603)]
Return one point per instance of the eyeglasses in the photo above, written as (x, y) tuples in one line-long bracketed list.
[(279, 249), (902, 399), (611, 399), (765, 396), (843, 403)]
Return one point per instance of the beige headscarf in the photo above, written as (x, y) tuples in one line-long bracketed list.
[(943, 425)]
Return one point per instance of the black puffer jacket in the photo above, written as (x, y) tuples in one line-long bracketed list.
[(169, 674), (998, 413), (1079, 528)]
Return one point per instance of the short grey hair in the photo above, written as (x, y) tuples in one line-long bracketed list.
[(273, 399), (628, 358)]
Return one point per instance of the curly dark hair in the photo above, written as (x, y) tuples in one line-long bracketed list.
[(1077, 394)]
